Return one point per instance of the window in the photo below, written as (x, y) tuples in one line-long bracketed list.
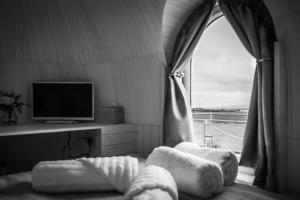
[(221, 85)]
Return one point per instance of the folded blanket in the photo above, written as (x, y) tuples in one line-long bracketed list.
[(193, 175), (85, 174), (153, 183), (224, 158)]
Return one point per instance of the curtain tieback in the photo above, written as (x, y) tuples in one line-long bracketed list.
[(179, 74), (263, 59)]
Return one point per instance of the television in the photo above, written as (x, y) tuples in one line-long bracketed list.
[(63, 101)]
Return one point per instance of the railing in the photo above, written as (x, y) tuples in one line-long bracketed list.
[(221, 116), (226, 117)]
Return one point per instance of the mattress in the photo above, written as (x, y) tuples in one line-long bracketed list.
[(18, 186)]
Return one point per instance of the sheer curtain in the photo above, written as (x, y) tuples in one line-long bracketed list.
[(253, 24), (178, 122)]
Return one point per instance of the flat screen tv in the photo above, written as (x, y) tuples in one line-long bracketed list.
[(63, 101)]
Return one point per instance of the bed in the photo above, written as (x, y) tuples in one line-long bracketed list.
[(18, 186)]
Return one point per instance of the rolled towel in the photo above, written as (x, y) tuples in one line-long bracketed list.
[(193, 175), (85, 174), (153, 183), (226, 159)]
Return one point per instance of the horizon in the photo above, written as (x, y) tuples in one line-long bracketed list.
[(244, 106)]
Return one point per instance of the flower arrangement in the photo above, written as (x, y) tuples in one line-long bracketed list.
[(10, 105)]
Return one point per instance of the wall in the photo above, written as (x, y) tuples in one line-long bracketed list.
[(286, 17), (115, 43)]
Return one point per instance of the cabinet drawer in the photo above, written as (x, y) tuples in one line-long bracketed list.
[(118, 128), (119, 138), (119, 149)]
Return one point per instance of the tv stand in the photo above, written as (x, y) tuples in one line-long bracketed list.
[(110, 139), (61, 122)]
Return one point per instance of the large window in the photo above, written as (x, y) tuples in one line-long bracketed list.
[(221, 84)]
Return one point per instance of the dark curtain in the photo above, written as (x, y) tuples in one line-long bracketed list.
[(178, 122), (253, 24)]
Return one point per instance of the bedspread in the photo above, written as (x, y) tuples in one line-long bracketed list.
[(18, 186)]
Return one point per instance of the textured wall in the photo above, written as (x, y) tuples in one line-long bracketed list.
[(79, 31)]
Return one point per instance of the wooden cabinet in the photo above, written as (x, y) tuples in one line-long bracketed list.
[(118, 139), (107, 139), (22, 146)]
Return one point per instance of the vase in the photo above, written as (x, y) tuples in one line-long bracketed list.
[(9, 117)]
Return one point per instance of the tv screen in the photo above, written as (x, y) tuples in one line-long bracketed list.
[(63, 100)]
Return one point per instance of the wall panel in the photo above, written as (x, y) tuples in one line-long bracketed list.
[(149, 137), (81, 31)]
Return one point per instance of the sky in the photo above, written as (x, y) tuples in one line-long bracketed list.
[(223, 70)]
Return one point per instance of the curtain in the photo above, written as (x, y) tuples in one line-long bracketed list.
[(253, 24), (178, 121)]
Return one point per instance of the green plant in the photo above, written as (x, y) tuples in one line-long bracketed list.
[(217, 146), (11, 103)]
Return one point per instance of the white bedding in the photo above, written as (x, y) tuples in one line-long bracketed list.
[(18, 186), (85, 175)]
